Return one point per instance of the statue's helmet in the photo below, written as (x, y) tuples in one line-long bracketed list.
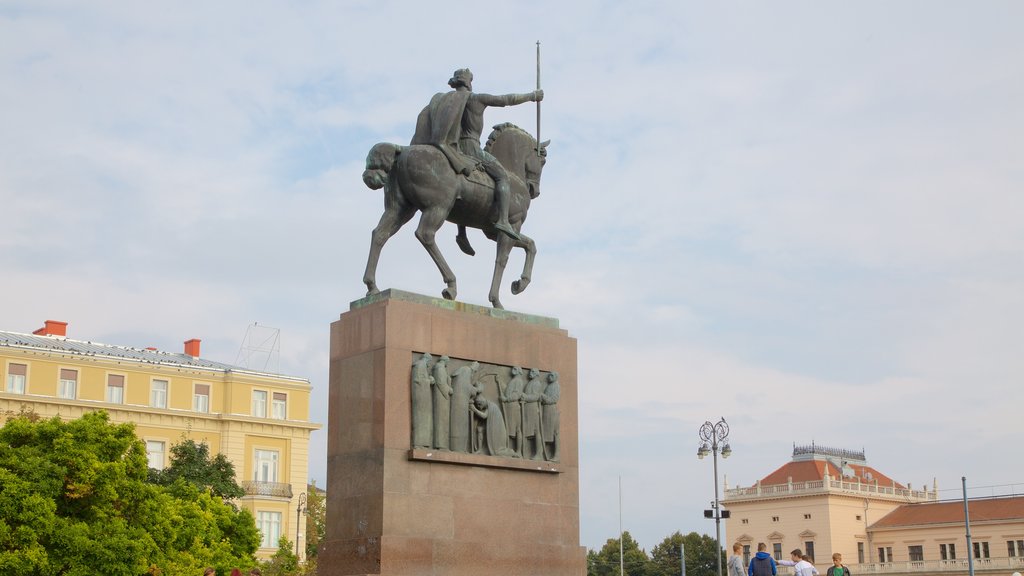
[(461, 77)]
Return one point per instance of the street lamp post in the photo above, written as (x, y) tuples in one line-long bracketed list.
[(298, 519), (714, 439)]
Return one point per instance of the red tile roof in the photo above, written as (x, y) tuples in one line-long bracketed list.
[(985, 509), (811, 470)]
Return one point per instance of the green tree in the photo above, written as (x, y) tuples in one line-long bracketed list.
[(316, 519), (698, 548), (191, 461), (605, 562), (284, 562), (74, 501)]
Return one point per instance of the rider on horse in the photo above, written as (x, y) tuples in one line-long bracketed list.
[(454, 122)]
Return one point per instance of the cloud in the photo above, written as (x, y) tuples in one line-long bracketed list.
[(802, 218)]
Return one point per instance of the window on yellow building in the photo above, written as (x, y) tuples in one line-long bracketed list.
[(860, 552), (809, 548), (269, 524), (201, 398), (777, 549), (1015, 548), (16, 375), (259, 403), (885, 554), (981, 550), (155, 454), (115, 388), (280, 407), (916, 553), (947, 551), (266, 466), (68, 388), (158, 394)]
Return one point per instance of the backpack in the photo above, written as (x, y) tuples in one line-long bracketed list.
[(762, 567)]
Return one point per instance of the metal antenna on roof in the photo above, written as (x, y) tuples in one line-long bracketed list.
[(261, 349)]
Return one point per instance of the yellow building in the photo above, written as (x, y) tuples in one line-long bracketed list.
[(823, 501), (259, 421), (931, 537), (828, 500)]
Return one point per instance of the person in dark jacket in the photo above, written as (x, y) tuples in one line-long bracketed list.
[(762, 564)]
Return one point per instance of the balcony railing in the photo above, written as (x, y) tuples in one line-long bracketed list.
[(1010, 564), (830, 486), (272, 489)]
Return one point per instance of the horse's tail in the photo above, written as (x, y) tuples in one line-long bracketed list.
[(378, 163)]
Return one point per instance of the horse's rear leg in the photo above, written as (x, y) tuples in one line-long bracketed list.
[(501, 259), (528, 245), (391, 221), (430, 221)]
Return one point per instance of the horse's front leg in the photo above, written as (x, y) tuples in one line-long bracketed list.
[(501, 259), (430, 221), (394, 217), (528, 245)]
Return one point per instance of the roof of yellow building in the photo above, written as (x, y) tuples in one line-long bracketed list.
[(981, 510), (811, 470), (60, 344)]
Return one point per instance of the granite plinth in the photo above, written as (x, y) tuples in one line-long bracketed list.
[(396, 511)]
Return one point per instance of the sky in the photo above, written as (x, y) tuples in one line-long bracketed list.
[(804, 217)]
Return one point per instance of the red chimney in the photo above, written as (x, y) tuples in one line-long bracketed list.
[(192, 347), (53, 328)]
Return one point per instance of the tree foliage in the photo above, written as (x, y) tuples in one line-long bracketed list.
[(74, 500), (663, 561), (284, 562), (698, 548), (316, 519), (605, 562), (191, 461)]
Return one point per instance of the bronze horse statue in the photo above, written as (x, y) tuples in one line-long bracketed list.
[(420, 178)]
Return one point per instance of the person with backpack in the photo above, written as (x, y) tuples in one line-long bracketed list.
[(837, 569), (762, 564)]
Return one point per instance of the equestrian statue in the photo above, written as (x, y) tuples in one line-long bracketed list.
[(446, 176)]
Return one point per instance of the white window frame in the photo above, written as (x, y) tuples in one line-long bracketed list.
[(269, 525), (266, 464), (259, 403), (201, 402), (67, 388), (150, 453), (981, 550), (115, 392), (279, 406), (159, 389), (17, 383)]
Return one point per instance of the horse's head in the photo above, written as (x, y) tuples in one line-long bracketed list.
[(519, 153), (535, 161)]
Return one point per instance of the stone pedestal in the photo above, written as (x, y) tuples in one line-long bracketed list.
[(396, 511)]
